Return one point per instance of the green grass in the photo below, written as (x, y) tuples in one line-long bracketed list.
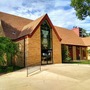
[(79, 62)]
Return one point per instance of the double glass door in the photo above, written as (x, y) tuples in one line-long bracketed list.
[(46, 56)]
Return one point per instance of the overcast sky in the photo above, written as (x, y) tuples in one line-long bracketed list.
[(59, 11)]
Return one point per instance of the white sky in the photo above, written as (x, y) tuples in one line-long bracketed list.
[(59, 11)]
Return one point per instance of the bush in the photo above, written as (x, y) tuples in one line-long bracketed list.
[(3, 69), (17, 68), (10, 69), (65, 54), (7, 69), (68, 58)]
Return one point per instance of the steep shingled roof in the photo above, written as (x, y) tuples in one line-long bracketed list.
[(86, 41), (12, 25), (15, 21), (27, 29), (69, 37), (9, 31)]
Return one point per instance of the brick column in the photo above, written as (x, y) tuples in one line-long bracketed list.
[(74, 52)]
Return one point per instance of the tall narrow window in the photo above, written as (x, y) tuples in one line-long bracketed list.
[(46, 43)]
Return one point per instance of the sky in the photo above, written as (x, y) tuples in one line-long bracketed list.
[(59, 11)]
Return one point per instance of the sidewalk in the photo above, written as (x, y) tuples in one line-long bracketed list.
[(52, 77)]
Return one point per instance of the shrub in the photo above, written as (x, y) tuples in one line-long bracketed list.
[(65, 54), (10, 69)]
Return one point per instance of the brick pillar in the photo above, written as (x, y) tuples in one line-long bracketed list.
[(86, 49), (80, 53), (74, 52), (26, 50)]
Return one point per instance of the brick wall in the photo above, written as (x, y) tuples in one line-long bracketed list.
[(56, 49), (1, 30), (19, 61), (34, 49)]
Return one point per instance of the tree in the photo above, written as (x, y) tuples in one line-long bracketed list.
[(88, 34), (82, 8), (8, 50), (84, 32)]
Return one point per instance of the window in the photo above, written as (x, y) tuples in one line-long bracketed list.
[(46, 43), (45, 36)]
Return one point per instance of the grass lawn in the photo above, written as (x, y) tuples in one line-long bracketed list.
[(79, 62)]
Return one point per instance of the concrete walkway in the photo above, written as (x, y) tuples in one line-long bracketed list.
[(52, 77)]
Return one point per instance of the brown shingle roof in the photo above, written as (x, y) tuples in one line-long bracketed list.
[(68, 36), (29, 28), (15, 21), (86, 41), (9, 31), (12, 25)]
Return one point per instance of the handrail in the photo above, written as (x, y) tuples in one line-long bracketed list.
[(33, 68)]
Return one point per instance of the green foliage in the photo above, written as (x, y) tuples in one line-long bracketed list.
[(6, 69), (3, 69), (81, 62), (2, 61), (88, 34), (82, 8), (88, 51), (84, 33), (68, 58), (65, 54), (8, 49), (10, 69)]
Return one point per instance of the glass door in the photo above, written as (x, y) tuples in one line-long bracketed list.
[(46, 56)]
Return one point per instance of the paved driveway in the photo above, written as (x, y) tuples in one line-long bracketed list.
[(52, 77)]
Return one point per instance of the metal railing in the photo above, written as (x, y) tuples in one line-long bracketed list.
[(32, 68)]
